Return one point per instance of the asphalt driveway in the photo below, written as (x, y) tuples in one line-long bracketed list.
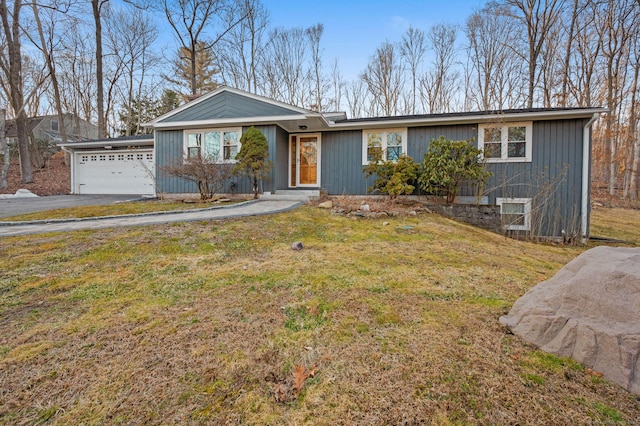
[(21, 205)]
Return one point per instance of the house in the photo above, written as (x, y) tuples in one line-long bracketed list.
[(539, 157), (47, 128), (112, 166)]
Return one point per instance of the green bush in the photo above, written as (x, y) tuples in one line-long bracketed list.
[(448, 164), (392, 177)]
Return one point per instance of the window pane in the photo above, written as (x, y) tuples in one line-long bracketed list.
[(230, 145), (492, 150), (374, 145), (193, 152), (492, 134), (512, 208), (212, 145), (394, 139), (193, 139), (513, 219), (516, 149), (393, 153), (517, 134)]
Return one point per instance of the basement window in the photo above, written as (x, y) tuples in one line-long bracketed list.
[(515, 213)]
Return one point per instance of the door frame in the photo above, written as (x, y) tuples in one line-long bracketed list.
[(297, 137)]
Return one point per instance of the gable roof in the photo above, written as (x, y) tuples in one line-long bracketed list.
[(226, 106)]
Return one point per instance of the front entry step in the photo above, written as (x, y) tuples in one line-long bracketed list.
[(304, 195)]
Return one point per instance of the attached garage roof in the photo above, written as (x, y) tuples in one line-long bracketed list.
[(108, 143)]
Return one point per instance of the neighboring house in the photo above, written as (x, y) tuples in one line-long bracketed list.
[(540, 158), (47, 128), (112, 166)]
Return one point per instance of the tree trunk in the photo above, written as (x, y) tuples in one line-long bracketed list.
[(102, 127), (4, 150), (52, 74), (12, 40)]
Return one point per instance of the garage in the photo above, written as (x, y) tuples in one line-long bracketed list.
[(112, 166)]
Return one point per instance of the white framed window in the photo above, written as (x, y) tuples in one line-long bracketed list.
[(515, 213), (392, 143), (54, 125), (218, 145), (505, 142)]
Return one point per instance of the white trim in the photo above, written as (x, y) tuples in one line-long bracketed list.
[(187, 132), (228, 121), (586, 163), (527, 212), (384, 132), (455, 118), (318, 183), (504, 127)]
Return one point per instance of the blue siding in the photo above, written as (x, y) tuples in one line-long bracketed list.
[(553, 179), (281, 160), (228, 105), (169, 148), (342, 163)]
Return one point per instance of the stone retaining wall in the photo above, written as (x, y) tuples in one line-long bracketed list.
[(483, 216)]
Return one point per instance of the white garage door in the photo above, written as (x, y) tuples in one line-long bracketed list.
[(115, 172)]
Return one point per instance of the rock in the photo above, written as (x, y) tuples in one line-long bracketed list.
[(25, 193), (590, 311), (365, 208), (326, 205), (297, 246), (385, 223)]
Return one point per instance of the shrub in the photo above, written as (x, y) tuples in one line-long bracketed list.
[(209, 175), (252, 158), (448, 164), (392, 177)]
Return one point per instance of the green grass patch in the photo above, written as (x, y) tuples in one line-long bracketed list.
[(115, 209), (199, 322)]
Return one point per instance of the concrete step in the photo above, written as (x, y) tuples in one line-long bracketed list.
[(303, 195)]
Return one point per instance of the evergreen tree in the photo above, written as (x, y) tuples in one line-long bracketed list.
[(253, 157)]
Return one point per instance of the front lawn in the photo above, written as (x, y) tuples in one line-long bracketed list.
[(389, 321)]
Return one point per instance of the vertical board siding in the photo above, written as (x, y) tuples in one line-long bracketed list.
[(553, 179), (228, 105), (169, 148), (341, 154), (280, 160)]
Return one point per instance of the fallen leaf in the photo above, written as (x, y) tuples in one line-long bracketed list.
[(593, 373), (280, 392)]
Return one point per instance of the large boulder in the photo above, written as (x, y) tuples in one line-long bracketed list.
[(589, 311)]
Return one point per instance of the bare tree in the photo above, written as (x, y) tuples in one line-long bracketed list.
[(616, 21), (413, 48), (314, 34), (239, 55), (190, 18), (287, 76), (97, 9), (48, 42), (337, 85), (439, 83), (384, 80), (11, 65), (130, 37), (538, 17), (356, 99), (4, 150), (497, 71)]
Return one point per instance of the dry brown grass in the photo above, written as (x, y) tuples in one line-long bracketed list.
[(194, 323)]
